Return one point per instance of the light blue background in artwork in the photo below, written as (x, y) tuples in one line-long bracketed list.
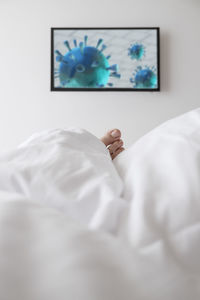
[(117, 42)]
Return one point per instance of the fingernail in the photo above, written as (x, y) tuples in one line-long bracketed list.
[(115, 134)]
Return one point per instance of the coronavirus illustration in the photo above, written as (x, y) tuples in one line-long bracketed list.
[(136, 51), (85, 66), (144, 77)]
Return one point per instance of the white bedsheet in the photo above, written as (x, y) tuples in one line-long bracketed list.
[(161, 175), (145, 238), (69, 170), (46, 256)]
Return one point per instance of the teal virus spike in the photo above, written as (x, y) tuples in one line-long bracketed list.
[(113, 68), (136, 51), (85, 39), (67, 45), (59, 56), (99, 43), (115, 74), (144, 78), (81, 45), (85, 66), (75, 43), (103, 48)]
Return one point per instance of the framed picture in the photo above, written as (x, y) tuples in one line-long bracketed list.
[(105, 59)]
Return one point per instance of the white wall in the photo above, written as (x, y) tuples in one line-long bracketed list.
[(26, 103)]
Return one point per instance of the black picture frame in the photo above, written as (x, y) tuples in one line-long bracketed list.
[(106, 89)]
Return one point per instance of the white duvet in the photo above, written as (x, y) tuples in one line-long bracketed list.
[(76, 226)]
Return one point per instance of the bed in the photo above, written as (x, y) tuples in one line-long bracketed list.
[(75, 225)]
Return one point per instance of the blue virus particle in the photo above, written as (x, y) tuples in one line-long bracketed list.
[(144, 77), (85, 66), (136, 51)]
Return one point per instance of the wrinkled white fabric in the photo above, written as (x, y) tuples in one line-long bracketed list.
[(70, 170), (46, 256), (59, 183), (161, 175)]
